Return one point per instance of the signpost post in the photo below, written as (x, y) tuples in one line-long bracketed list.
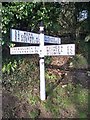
[(48, 50), (42, 69)]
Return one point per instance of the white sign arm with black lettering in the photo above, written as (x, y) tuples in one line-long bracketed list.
[(24, 50), (55, 50), (32, 38), (48, 50), (24, 37)]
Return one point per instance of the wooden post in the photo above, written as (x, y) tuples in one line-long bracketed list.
[(42, 68)]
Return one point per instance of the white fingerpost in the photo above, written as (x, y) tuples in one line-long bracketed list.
[(48, 50), (42, 68)]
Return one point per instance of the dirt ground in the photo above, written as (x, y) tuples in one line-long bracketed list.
[(20, 109), (11, 104), (12, 107)]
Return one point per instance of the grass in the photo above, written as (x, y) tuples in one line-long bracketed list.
[(79, 61), (74, 101), (69, 101), (34, 113), (33, 100)]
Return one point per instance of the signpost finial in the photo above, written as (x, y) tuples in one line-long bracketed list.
[(41, 27)]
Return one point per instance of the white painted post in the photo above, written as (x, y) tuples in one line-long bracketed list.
[(42, 68)]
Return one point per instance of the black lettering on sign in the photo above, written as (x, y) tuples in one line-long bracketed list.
[(31, 49), (15, 35), (58, 50), (61, 48), (71, 50), (21, 37), (68, 50), (25, 37), (31, 37), (28, 39), (36, 50), (51, 39), (18, 36)]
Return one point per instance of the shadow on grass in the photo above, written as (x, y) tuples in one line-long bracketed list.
[(51, 88), (77, 94)]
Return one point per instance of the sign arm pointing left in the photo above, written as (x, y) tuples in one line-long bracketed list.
[(24, 50)]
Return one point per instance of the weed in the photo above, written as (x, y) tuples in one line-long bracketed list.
[(79, 61), (50, 76), (34, 113), (33, 100), (48, 60)]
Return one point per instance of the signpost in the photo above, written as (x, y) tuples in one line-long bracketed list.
[(48, 50)]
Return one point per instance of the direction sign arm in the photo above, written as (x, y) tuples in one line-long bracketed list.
[(24, 50)]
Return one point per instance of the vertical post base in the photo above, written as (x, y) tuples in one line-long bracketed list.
[(42, 80)]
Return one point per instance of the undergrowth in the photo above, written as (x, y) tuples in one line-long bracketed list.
[(70, 101)]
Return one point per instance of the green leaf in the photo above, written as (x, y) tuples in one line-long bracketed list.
[(12, 68), (4, 68)]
